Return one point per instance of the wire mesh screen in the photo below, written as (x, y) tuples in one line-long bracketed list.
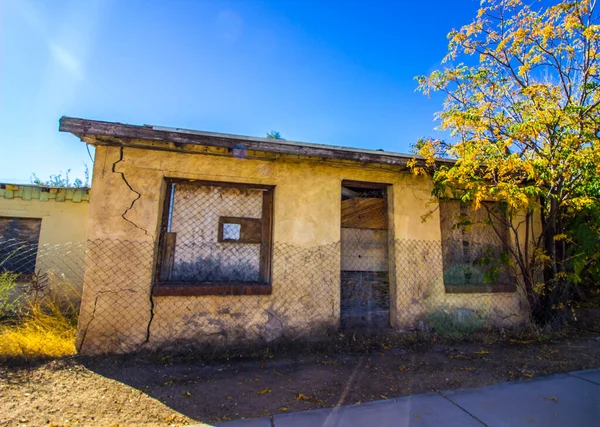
[(313, 295), (214, 233)]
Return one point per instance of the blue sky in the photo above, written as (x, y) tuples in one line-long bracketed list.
[(334, 72)]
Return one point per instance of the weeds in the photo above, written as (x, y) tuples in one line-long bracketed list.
[(44, 326), (9, 302), (40, 333), (454, 326)]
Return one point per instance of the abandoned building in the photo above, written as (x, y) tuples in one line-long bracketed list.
[(42, 228), (221, 239)]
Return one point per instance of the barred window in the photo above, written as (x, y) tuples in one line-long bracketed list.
[(474, 248), (215, 239), (22, 235)]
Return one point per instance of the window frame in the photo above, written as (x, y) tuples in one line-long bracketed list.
[(473, 288), (21, 276), (162, 287)]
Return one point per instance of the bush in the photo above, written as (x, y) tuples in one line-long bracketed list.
[(455, 325)]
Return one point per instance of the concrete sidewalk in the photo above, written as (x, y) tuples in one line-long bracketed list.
[(560, 400)]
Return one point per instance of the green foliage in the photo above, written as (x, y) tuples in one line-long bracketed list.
[(455, 326), (463, 274), (274, 135), (59, 180), (9, 302), (524, 116)]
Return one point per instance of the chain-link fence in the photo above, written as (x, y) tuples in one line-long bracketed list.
[(312, 292)]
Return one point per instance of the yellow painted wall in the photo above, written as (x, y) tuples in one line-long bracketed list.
[(118, 313), (62, 234), (62, 222)]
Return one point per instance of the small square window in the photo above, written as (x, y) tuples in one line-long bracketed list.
[(239, 230), (231, 231)]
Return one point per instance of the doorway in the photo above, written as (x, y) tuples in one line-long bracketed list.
[(365, 286)]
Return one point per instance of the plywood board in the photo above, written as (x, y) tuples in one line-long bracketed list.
[(364, 213), (365, 299), (364, 250)]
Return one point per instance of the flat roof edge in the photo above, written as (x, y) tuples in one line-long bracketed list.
[(85, 127)]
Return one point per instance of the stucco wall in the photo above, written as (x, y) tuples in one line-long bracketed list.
[(118, 313), (62, 234)]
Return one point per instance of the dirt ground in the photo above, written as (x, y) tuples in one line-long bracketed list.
[(142, 391)]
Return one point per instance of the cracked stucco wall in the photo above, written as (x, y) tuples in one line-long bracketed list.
[(118, 313)]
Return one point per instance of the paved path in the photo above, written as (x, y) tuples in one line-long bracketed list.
[(559, 400)]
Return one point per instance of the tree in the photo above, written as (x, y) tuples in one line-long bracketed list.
[(523, 112), (274, 135), (59, 181)]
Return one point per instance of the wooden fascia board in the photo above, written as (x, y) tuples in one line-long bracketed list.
[(123, 134)]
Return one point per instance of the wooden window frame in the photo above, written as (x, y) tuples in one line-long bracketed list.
[(164, 287)]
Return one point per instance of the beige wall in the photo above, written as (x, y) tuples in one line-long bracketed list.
[(62, 234), (62, 222), (118, 313)]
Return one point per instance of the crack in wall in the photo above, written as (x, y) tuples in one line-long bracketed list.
[(123, 215), (93, 315), (138, 194), (147, 339)]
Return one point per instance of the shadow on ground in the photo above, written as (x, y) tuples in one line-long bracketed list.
[(246, 388)]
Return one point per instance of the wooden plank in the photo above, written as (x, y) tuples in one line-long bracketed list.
[(266, 246), (220, 184), (126, 135), (210, 288), (364, 250), (164, 229), (168, 256), (365, 299), (250, 230), (480, 288), (364, 213), (365, 185)]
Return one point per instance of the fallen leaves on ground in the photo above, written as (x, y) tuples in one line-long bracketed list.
[(302, 396)]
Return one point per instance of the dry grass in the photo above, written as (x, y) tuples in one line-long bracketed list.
[(44, 328), (40, 333)]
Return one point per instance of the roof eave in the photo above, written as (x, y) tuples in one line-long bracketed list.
[(85, 128)]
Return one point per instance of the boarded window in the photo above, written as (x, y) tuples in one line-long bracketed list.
[(475, 257), (216, 234), (20, 238)]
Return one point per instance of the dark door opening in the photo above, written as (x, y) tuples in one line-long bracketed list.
[(365, 287)]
